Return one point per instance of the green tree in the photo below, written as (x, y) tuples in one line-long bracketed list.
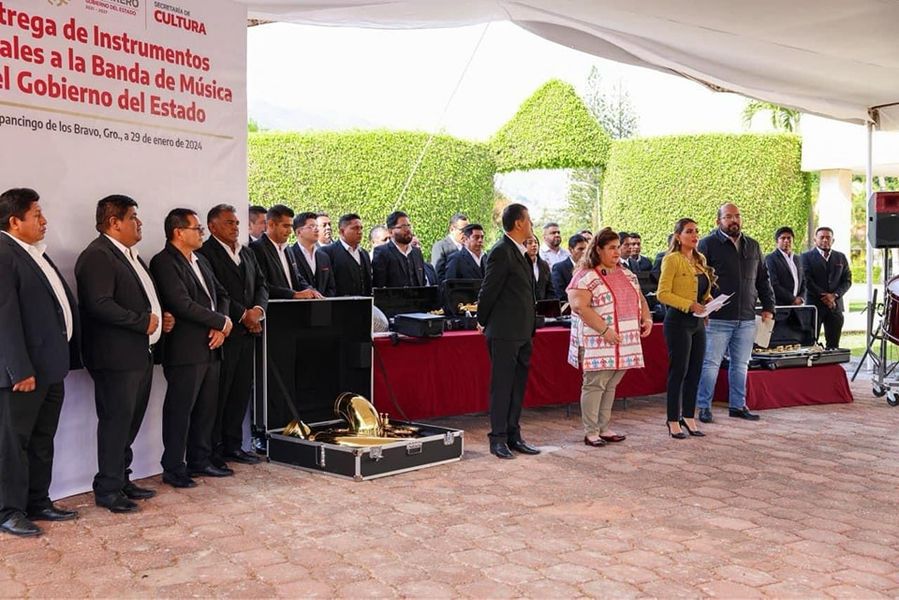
[(782, 118), (613, 109), (253, 126)]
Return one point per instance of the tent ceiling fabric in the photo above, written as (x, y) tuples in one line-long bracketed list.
[(829, 57)]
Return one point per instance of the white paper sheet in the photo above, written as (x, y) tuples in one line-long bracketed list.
[(763, 331), (714, 304)]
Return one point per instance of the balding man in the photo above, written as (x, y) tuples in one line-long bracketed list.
[(740, 269)]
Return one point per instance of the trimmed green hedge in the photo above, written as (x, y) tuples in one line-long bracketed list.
[(652, 182), (364, 172), (553, 129)]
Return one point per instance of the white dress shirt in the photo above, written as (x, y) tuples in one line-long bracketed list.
[(281, 249), (354, 252), (404, 253), (234, 256), (36, 252), (793, 271), (195, 265), (310, 257), (553, 256), (477, 259), (536, 269), (145, 280)]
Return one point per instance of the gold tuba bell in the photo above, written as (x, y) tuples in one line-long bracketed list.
[(365, 427)]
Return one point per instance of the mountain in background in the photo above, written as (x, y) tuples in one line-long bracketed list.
[(280, 118)]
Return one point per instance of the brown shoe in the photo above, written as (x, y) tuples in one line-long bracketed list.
[(594, 443), (613, 438)]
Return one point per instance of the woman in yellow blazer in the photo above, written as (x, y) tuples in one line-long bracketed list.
[(685, 285)]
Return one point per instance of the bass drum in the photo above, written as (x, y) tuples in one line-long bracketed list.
[(891, 311)]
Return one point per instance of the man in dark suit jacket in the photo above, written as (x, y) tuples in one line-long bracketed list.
[(257, 222), (278, 264), (563, 270), (542, 271), (785, 270), (828, 278), (506, 312), (468, 263), (349, 260), (237, 270), (398, 263), (38, 346), (123, 326), (445, 247), (192, 357), (635, 262), (313, 263)]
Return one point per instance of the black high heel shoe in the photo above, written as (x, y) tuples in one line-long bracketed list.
[(680, 435), (693, 432)]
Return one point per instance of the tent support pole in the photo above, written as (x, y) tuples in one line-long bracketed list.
[(869, 250)]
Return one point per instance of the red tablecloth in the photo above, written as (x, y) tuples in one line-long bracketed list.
[(450, 375), (824, 384)]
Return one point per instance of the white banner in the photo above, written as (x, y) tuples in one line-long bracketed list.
[(139, 97)]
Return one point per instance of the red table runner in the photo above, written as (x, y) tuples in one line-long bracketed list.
[(797, 386)]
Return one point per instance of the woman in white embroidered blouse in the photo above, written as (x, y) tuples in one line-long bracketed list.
[(610, 317)]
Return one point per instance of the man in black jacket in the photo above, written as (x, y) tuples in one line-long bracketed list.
[(828, 279), (445, 247), (635, 261), (563, 270), (192, 358), (468, 263), (278, 264), (38, 346), (543, 288), (237, 270), (740, 268), (506, 314), (123, 326), (313, 262), (398, 263), (349, 260), (785, 270)]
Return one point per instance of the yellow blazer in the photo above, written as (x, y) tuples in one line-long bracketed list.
[(677, 283)]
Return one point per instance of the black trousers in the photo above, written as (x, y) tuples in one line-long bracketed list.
[(188, 416), (28, 422), (832, 321), (121, 398), (235, 385), (509, 362), (685, 338)]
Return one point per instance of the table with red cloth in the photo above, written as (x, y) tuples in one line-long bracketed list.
[(450, 375), (795, 386)]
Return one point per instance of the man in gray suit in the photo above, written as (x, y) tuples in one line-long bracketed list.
[(507, 316), (452, 243)]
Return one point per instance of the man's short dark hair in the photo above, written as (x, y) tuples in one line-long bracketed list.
[(394, 217), (176, 219), (15, 203), (216, 211), (301, 218), (623, 236), (782, 230), (345, 220), (512, 214), (456, 218), (587, 231), (115, 205), (824, 228), (471, 228), (634, 235), (550, 224), (278, 211), (574, 240), (256, 210)]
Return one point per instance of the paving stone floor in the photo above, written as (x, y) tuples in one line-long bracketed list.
[(803, 504)]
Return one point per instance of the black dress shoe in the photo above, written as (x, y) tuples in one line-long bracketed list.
[(211, 471), (239, 456), (693, 432), (52, 513), (523, 447), (705, 415), (18, 524), (678, 435), (134, 492), (500, 450), (178, 480), (117, 503), (597, 443), (218, 461), (742, 413)]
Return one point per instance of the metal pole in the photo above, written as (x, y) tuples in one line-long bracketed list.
[(869, 249)]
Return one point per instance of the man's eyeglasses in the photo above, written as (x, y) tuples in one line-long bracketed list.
[(406, 226), (199, 229)]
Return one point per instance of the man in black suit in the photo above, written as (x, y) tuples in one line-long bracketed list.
[(828, 278), (635, 262), (238, 271), (123, 325), (785, 270), (278, 264), (398, 263), (445, 247), (192, 359), (38, 345), (324, 229), (563, 271), (349, 260), (313, 263), (543, 289), (257, 222), (506, 314), (468, 263)]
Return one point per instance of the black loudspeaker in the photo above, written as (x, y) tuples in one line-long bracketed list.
[(883, 219)]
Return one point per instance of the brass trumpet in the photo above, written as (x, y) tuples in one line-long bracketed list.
[(365, 426)]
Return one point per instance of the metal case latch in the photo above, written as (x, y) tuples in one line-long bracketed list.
[(413, 448), (448, 438), (320, 457), (376, 453)]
